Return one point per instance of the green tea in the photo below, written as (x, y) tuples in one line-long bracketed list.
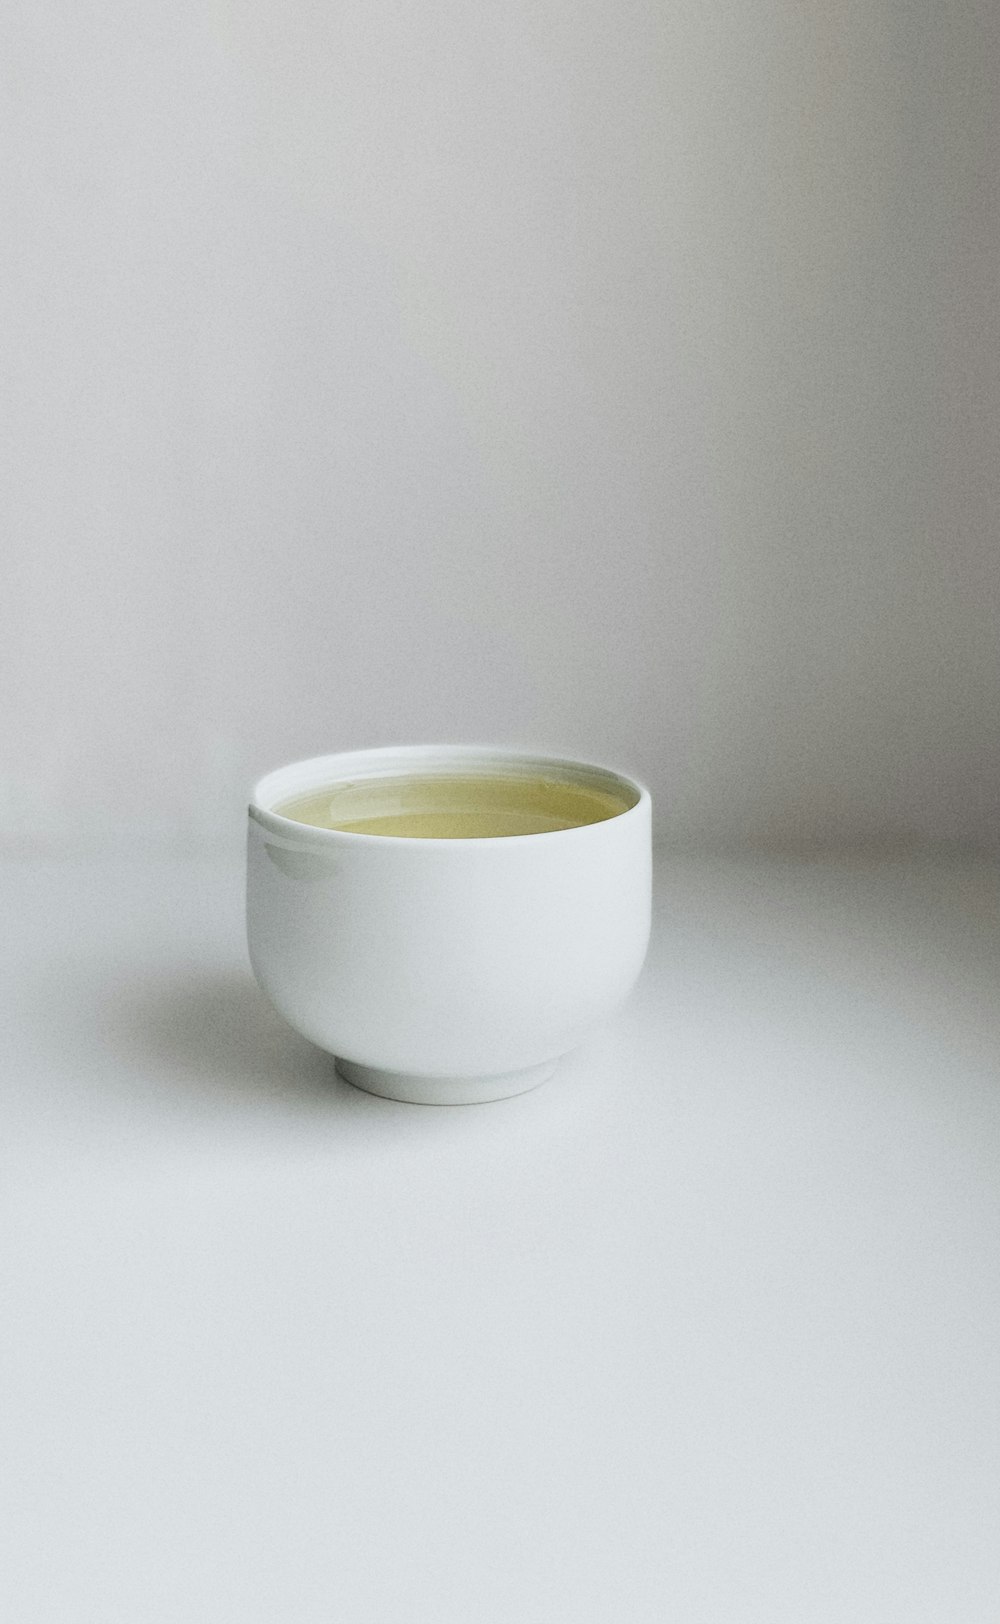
[(455, 806)]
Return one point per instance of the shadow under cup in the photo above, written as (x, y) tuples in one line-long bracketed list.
[(447, 920)]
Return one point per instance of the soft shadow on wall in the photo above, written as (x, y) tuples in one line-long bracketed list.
[(623, 385)]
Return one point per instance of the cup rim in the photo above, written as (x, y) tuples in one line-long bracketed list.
[(316, 771)]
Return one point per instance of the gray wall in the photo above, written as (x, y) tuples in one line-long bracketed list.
[(621, 377)]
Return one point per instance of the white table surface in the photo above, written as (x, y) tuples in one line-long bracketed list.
[(707, 1329)]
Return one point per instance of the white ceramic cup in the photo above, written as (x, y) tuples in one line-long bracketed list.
[(446, 971)]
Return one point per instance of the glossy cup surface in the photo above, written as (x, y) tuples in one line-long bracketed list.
[(446, 971)]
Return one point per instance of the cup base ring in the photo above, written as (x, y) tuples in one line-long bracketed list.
[(401, 1085)]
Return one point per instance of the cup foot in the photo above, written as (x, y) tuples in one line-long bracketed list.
[(401, 1085)]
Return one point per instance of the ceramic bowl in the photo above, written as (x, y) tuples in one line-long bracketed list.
[(446, 971)]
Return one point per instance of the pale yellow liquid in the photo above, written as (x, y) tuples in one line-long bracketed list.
[(454, 807)]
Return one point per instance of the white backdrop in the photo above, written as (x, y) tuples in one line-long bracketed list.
[(621, 378)]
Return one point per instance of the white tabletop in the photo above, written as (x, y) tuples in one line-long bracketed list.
[(705, 1331)]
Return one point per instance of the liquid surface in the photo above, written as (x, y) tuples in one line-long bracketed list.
[(454, 807)]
